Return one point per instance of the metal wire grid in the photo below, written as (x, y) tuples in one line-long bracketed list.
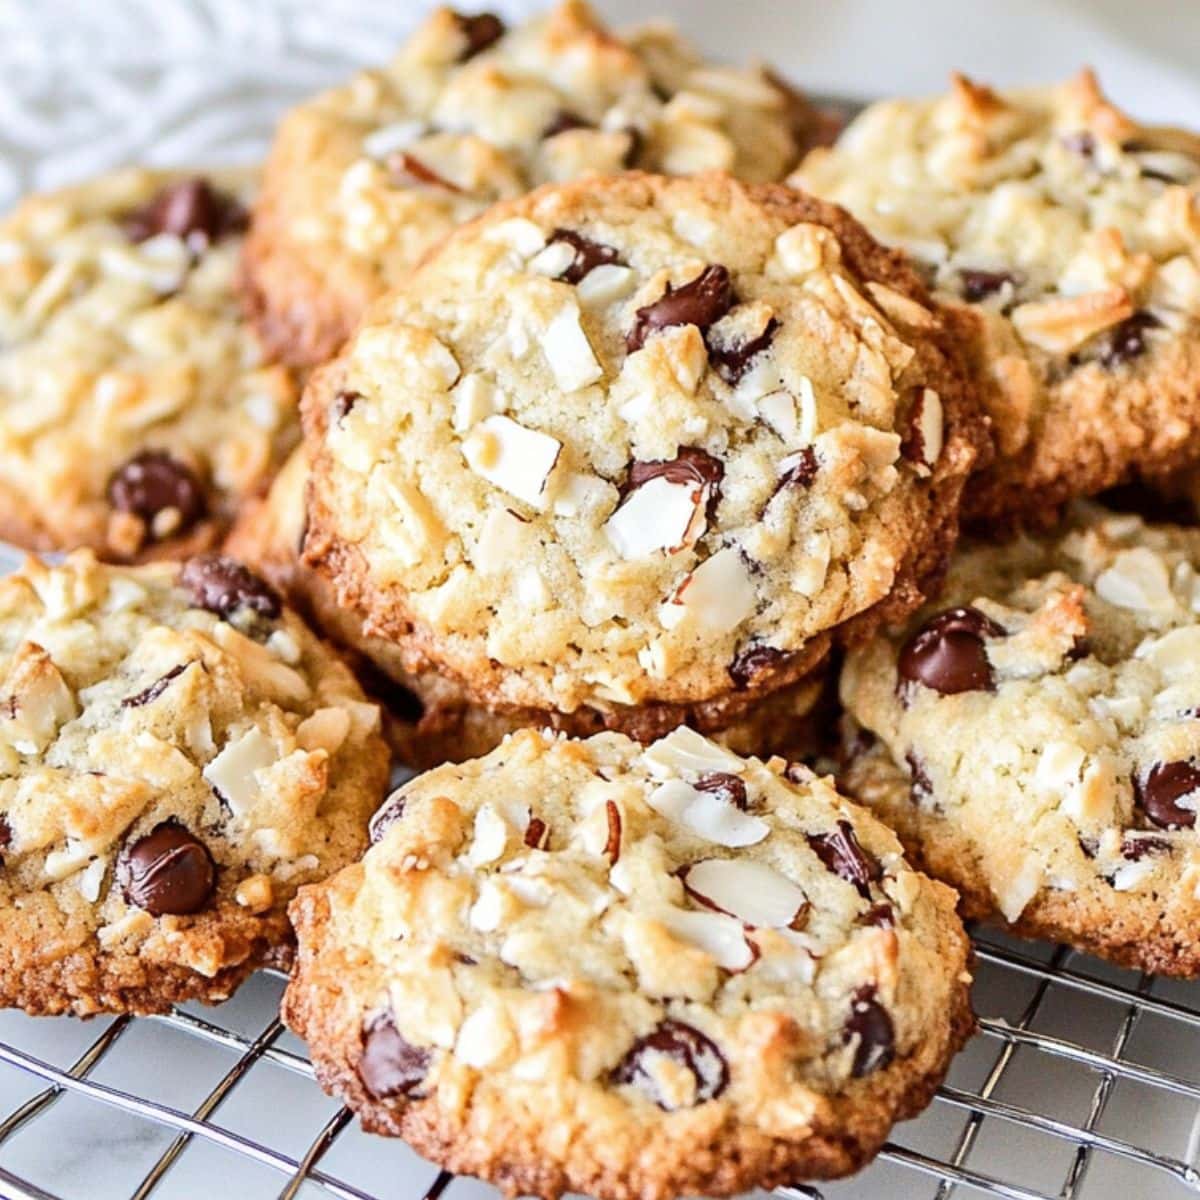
[(1047, 988)]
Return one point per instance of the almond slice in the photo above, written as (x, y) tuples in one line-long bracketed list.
[(685, 750), (757, 895), (659, 515), (707, 814), (721, 937), (719, 594), (513, 458)]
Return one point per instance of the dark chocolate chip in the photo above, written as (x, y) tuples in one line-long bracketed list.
[(730, 362), (588, 254), (1128, 340), (683, 1045), (5, 836), (223, 586), (755, 660), (536, 834), (881, 916), (564, 122), (947, 653), (1162, 787), (690, 466), (729, 788), (979, 285), (1136, 848), (168, 871), (385, 817), (841, 853), (191, 209), (870, 1023), (152, 482), (343, 405), (391, 1066), (921, 787), (703, 301), (481, 31), (156, 689), (801, 470)]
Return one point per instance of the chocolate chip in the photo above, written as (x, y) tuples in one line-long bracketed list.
[(881, 916), (168, 871), (801, 469), (979, 285), (755, 660), (685, 1046), (481, 31), (704, 300), (406, 169), (156, 689), (870, 1023), (921, 787), (343, 405), (153, 482), (730, 362), (385, 817), (402, 702), (1162, 787), (947, 653), (636, 142), (841, 853), (5, 836), (191, 209), (729, 788), (391, 1066), (223, 586), (588, 254), (691, 465), (1136, 848), (1128, 340), (536, 834), (564, 122)]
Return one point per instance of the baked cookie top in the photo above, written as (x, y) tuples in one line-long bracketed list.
[(638, 439), (1046, 713), (178, 754), (364, 179), (629, 971), (136, 408), (1073, 233)]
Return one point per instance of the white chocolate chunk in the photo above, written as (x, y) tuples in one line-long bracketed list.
[(659, 515), (232, 772), (569, 352), (513, 458)]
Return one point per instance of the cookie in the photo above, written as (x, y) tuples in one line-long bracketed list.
[(364, 179), (136, 407), (1071, 234), (429, 719), (1039, 737), (630, 972), (642, 446), (178, 754)]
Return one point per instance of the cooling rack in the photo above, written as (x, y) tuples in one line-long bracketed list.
[(1083, 1083)]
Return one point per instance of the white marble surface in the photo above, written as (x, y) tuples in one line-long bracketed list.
[(88, 83)]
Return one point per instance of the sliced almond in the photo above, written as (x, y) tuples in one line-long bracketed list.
[(491, 836), (233, 772), (661, 515), (513, 458), (1138, 580), (719, 936), (684, 751), (707, 814), (568, 351), (719, 594), (757, 895)]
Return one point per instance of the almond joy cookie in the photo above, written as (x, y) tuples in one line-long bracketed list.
[(640, 446), (1072, 234), (1039, 737), (364, 179), (429, 719), (177, 755), (136, 408), (633, 972)]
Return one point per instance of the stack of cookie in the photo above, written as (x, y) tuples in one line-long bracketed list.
[(634, 417)]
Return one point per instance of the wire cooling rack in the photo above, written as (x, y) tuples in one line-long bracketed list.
[(1083, 1084)]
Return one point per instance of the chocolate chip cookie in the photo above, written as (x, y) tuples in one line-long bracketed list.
[(178, 753), (364, 179), (633, 972), (136, 408), (1071, 234), (642, 446), (1039, 737), (428, 718)]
